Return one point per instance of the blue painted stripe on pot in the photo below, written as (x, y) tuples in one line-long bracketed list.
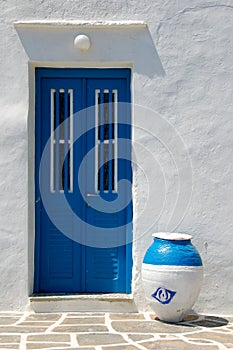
[(169, 252)]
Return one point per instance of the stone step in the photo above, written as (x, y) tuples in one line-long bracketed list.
[(83, 302)]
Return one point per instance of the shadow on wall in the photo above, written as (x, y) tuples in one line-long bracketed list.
[(122, 44), (149, 57)]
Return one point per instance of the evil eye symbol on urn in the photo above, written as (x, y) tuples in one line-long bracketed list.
[(163, 295), (171, 261)]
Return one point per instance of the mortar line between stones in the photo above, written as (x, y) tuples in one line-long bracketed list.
[(22, 318), (131, 342), (108, 323), (23, 340), (147, 316), (199, 330), (73, 340), (210, 330), (56, 324), (213, 342)]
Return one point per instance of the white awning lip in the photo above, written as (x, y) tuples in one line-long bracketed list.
[(81, 23)]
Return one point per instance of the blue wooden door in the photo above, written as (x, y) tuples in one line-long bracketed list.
[(83, 203)]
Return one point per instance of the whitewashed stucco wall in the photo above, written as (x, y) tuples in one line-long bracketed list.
[(190, 86)]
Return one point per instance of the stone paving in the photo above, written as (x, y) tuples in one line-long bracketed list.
[(108, 331)]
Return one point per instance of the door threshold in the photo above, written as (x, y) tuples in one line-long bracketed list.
[(83, 303)]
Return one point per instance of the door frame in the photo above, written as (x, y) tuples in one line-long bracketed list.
[(73, 72)]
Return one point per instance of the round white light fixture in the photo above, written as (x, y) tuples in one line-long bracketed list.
[(82, 42)]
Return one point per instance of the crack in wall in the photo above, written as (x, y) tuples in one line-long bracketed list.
[(185, 11)]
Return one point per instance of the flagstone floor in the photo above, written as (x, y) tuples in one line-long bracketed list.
[(108, 331)]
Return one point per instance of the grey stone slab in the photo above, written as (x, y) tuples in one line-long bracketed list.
[(148, 327), (223, 338), (85, 314), (121, 347), (9, 346), (46, 345), (36, 323), (43, 317), (22, 329), (224, 329), (168, 336), (99, 339), (128, 316), (8, 320), (81, 329), (50, 337), (11, 314), (138, 337), (9, 338), (84, 320), (80, 348), (174, 345), (200, 341)]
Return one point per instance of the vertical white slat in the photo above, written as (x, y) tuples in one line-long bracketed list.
[(66, 142), (101, 140), (106, 143), (97, 92), (61, 142), (52, 116), (115, 92), (110, 155), (57, 138), (71, 119)]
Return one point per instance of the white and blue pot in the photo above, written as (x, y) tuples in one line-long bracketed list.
[(172, 274)]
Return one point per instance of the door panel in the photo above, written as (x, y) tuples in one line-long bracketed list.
[(60, 256), (109, 262), (94, 254)]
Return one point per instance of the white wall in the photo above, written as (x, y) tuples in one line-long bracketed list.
[(182, 71)]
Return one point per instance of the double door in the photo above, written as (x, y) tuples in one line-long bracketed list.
[(83, 181)]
